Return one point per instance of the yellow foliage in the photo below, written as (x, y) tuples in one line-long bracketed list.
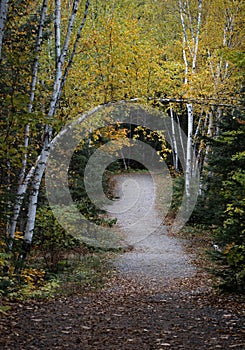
[(19, 235), (228, 248), (33, 277)]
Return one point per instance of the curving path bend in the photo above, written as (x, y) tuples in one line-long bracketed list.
[(155, 257)]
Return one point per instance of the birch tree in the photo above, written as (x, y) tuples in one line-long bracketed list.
[(3, 19), (191, 33), (227, 17), (29, 168), (60, 75), (174, 142), (15, 91), (24, 179)]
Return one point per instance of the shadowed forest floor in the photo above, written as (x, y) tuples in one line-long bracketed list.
[(127, 315), (159, 297)]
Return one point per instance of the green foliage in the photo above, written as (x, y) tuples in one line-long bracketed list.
[(226, 197), (85, 271), (51, 240), (230, 267), (177, 197), (15, 283), (4, 309), (178, 191)]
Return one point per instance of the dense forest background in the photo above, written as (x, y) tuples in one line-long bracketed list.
[(60, 59)]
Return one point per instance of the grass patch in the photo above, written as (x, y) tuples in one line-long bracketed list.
[(85, 273), (77, 273)]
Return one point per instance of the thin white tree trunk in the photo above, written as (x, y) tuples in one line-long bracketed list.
[(56, 93), (23, 180), (3, 19), (181, 138), (47, 133), (36, 181), (19, 199), (124, 162), (69, 64), (196, 163), (198, 127), (188, 170), (185, 35), (187, 22), (210, 134), (57, 31), (36, 60), (218, 118), (195, 50), (185, 16), (175, 147)]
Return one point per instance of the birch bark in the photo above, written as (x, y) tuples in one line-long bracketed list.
[(56, 94), (24, 179), (175, 147), (3, 19), (181, 138), (188, 170), (192, 47)]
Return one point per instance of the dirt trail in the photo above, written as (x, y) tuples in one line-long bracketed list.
[(157, 301), (156, 257)]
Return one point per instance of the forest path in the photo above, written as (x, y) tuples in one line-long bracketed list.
[(156, 257), (156, 299)]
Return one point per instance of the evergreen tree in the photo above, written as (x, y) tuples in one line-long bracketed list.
[(224, 204)]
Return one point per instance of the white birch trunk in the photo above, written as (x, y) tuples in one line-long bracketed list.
[(3, 19), (32, 209), (196, 39), (187, 22), (69, 64), (56, 93), (185, 16), (185, 42), (175, 147), (181, 139), (35, 188), (188, 170), (124, 162), (198, 127), (210, 134), (57, 31), (23, 180), (19, 199), (198, 157), (218, 118)]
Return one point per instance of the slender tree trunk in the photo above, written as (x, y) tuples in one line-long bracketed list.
[(188, 170), (3, 19), (210, 133), (191, 45), (197, 152), (219, 116), (181, 138), (36, 181), (23, 180), (56, 93), (47, 133), (124, 162), (197, 34), (175, 147), (19, 199), (69, 64)]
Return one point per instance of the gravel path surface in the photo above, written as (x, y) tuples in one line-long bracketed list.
[(130, 312), (156, 256)]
